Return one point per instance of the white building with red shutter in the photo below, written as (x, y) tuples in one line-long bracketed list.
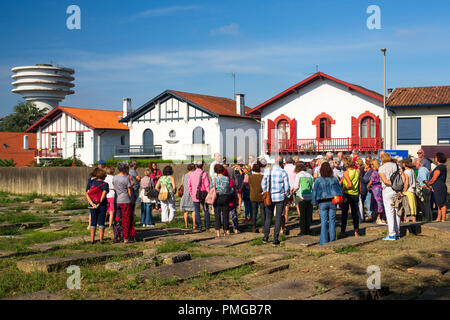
[(320, 114)]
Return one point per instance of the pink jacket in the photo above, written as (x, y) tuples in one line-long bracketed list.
[(194, 178)]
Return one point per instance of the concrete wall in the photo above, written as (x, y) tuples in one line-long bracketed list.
[(60, 181)]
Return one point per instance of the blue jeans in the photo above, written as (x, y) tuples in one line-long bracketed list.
[(327, 211), (198, 219), (248, 208), (98, 217), (146, 213)]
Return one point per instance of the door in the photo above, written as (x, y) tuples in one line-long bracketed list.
[(147, 142), (283, 135)]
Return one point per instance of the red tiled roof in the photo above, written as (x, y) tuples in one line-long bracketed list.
[(93, 118), (11, 146), (413, 96), (314, 77), (218, 105)]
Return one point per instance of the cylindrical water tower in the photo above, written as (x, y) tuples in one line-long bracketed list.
[(43, 84)]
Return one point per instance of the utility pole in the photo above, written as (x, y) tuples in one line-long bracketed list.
[(384, 100), (233, 74)]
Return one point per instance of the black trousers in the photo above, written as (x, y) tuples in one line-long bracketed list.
[(221, 212), (279, 215), (255, 206), (306, 211), (351, 201)]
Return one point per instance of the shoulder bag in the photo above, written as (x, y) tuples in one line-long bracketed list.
[(266, 195)]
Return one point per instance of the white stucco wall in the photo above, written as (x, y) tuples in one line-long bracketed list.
[(429, 131), (239, 137), (323, 96)]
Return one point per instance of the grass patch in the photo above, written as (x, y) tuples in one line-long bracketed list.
[(175, 223), (16, 216), (173, 246), (345, 249), (72, 203), (317, 254), (256, 242), (236, 273)]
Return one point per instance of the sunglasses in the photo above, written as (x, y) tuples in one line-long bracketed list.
[(419, 152)]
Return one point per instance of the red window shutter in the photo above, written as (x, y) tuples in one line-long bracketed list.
[(355, 133), (328, 129), (293, 134), (270, 130), (377, 132)]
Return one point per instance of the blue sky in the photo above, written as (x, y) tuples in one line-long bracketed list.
[(138, 49)]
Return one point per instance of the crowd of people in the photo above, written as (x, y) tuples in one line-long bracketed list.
[(384, 191)]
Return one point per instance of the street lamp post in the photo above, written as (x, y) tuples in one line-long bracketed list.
[(384, 99)]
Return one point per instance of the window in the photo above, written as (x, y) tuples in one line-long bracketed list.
[(80, 140), (147, 137), (198, 136), (443, 130), (122, 140), (172, 134), (283, 129), (325, 128), (409, 131), (367, 128), (53, 141)]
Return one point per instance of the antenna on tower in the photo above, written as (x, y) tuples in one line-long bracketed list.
[(233, 74), (317, 70)]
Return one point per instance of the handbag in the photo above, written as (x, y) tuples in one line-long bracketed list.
[(150, 191), (163, 193), (212, 195), (95, 193), (266, 195), (181, 191), (201, 194)]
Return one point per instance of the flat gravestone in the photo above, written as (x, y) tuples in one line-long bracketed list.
[(339, 293), (174, 257), (404, 262), (431, 267), (192, 268), (349, 241), (300, 242), (53, 245), (269, 257), (292, 289), (152, 234), (436, 293), (231, 240), (194, 237), (270, 270), (49, 264), (443, 254), (436, 229), (58, 226), (130, 264), (23, 225), (39, 295)]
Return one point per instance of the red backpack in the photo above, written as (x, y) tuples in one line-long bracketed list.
[(95, 193)]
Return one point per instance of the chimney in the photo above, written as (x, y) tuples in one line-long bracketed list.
[(240, 103), (389, 92), (126, 107)]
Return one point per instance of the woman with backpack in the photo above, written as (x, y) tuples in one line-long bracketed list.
[(166, 188), (392, 183), (350, 186), (303, 188), (325, 189), (186, 203), (147, 201), (96, 191)]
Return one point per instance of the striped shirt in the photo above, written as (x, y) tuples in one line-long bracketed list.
[(280, 188)]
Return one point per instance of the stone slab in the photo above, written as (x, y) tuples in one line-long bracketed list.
[(300, 242), (194, 237), (153, 234), (436, 293), (269, 257), (49, 264), (39, 295), (54, 245), (130, 264), (431, 267), (150, 252), (291, 289), (404, 262), (231, 240), (353, 241), (21, 226), (436, 229), (272, 269), (443, 254), (192, 268), (174, 257)]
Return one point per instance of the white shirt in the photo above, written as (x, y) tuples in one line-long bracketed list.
[(109, 180)]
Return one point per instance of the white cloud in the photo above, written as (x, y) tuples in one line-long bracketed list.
[(163, 11), (411, 31), (230, 29)]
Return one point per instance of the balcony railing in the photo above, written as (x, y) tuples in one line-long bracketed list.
[(325, 145), (152, 151), (49, 153)]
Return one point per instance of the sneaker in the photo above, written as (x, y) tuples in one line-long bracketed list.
[(276, 243), (390, 238), (144, 225), (265, 240), (151, 225)]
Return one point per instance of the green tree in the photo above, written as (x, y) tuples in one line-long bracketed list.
[(24, 115)]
